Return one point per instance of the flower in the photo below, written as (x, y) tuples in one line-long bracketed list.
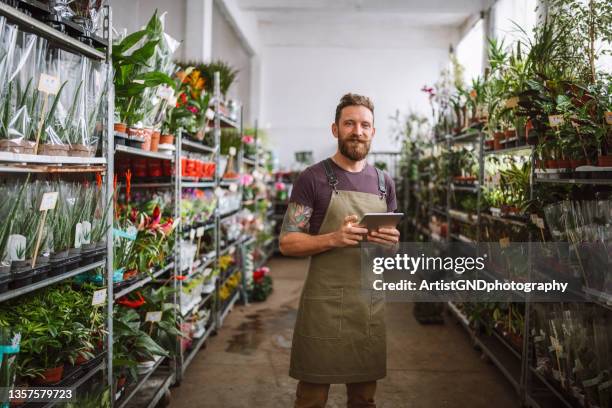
[(247, 139), (132, 304), (128, 184), (180, 277), (193, 109), (98, 180), (246, 179), (278, 186)]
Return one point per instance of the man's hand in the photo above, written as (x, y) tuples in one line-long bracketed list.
[(384, 236), (349, 234)]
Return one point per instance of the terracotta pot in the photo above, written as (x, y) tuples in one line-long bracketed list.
[(577, 163), (563, 164), (81, 150), (509, 133), (155, 136), (140, 167), (80, 360), (120, 127), (154, 168), (147, 133), (51, 375), (166, 139), (130, 274), (19, 146), (604, 161), (497, 138), (490, 144), (551, 164), (121, 382), (53, 149)]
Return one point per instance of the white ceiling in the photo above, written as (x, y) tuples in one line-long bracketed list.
[(413, 13)]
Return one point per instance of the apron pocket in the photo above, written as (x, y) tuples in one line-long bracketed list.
[(377, 314), (321, 315)]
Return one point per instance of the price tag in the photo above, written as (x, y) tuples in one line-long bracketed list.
[(609, 117), (200, 232), (48, 84), (165, 92), (172, 100), (512, 102), (232, 151), (219, 192), (99, 297), (207, 272), (504, 242), (48, 202), (210, 114), (233, 187), (139, 81), (534, 218), (555, 120), (192, 234), (153, 316), (78, 234), (540, 223)]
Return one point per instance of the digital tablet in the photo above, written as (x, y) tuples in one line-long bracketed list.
[(373, 221)]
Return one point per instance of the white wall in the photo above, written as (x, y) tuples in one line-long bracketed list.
[(303, 80), (227, 47)]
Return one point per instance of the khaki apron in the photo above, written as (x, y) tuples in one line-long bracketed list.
[(339, 335)]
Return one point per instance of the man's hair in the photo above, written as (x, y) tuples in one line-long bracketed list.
[(351, 99)]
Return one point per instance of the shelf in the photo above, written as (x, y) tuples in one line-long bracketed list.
[(463, 216), (228, 215), (198, 184), (228, 182), (41, 168), (48, 32), (250, 162), (468, 137), (462, 238), (198, 345), (573, 181), (197, 146), (230, 305), (133, 390), (503, 220), (43, 159), (465, 323), (143, 153), (153, 389), (601, 298), (510, 150), (50, 281), (228, 122), (152, 185), (439, 211), (141, 282), (469, 189), (74, 386), (503, 358)]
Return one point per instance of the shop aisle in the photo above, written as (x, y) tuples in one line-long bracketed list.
[(246, 364)]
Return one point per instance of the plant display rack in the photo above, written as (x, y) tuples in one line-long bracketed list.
[(533, 388), (12, 163)]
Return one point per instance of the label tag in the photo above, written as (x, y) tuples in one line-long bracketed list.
[(232, 151), (16, 247), (172, 100), (48, 202), (139, 81), (165, 92), (48, 84), (504, 242), (540, 223), (210, 114), (192, 234), (534, 218), (512, 102), (200, 232), (99, 297), (78, 233), (86, 232), (608, 117), (555, 120), (233, 187), (153, 316)]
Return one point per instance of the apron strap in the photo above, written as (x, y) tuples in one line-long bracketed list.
[(331, 176), (382, 189)]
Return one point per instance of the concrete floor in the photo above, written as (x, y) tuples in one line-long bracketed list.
[(247, 363)]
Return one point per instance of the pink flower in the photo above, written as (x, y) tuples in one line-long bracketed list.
[(278, 186), (193, 109), (248, 139), (246, 179)]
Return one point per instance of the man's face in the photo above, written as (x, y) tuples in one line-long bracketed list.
[(354, 131)]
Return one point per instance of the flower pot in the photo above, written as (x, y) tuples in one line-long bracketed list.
[(74, 251), (577, 163), (120, 127), (489, 144), (40, 272), (20, 146), (5, 277), (563, 164), (154, 168), (132, 273), (135, 138), (50, 376), (147, 133), (81, 150), (155, 136), (166, 139), (140, 167), (53, 149), (551, 164), (604, 161), (497, 139)]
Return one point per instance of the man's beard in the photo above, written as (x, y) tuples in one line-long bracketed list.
[(353, 148)]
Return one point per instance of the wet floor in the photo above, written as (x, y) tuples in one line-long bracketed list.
[(247, 363)]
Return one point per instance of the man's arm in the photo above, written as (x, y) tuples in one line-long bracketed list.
[(296, 241)]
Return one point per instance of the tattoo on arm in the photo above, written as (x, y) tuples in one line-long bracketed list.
[(297, 219)]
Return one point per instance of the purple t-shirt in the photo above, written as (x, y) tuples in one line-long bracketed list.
[(311, 189)]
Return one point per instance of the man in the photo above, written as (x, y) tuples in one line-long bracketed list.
[(339, 335)]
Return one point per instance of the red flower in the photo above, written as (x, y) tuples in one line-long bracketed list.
[(133, 304), (180, 277), (193, 109)]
